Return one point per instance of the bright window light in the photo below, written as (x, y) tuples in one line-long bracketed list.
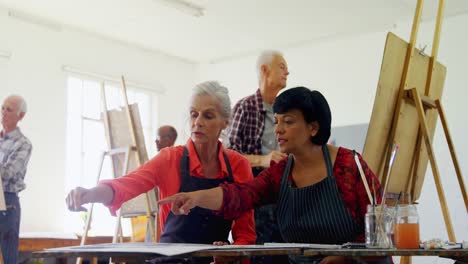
[(86, 141)]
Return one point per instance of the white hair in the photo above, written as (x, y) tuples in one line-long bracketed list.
[(266, 58), (22, 106), (219, 92)]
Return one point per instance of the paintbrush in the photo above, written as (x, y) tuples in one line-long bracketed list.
[(363, 178), (392, 159)]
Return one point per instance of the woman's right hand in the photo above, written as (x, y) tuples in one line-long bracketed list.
[(181, 202), (75, 199)]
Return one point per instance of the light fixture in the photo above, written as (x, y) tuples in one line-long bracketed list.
[(5, 54), (185, 6), (30, 18)]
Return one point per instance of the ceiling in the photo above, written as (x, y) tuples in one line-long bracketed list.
[(230, 28)]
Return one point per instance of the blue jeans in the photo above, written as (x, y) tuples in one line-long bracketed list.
[(9, 228)]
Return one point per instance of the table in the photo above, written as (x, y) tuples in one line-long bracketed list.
[(40, 243), (246, 251), (31, 244)]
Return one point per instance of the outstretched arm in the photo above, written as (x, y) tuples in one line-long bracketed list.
[(79, 196), (183, 202)]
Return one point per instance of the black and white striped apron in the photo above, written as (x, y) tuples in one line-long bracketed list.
[(315, 213)]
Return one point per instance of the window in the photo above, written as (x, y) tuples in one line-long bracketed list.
[(86, 141)]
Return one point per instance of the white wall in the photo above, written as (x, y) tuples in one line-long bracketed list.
[(346, 70), (35, 71)]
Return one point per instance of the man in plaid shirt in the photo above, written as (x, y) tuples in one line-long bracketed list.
[(251, 132), (15, 150)]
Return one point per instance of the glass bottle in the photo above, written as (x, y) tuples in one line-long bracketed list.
[(407, 227)]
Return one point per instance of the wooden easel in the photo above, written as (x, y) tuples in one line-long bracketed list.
[(419, 96), (127, 151), (135, 151), (424, 103)]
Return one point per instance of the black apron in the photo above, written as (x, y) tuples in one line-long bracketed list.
[(200, 226)]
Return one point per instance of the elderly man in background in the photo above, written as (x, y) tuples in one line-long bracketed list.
[(251, 133), (15, 150), (166, 137)]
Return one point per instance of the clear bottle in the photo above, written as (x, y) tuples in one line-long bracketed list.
[(407, 227), (378, 229)]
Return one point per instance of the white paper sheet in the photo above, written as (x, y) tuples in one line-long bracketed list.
[(170, 249), (165, 249), (296, 245)]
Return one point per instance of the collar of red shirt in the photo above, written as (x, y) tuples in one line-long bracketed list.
[(195, 164)]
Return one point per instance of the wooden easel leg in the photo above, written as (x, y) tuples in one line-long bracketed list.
[(406, 260), (452, 152), (137, 155), (117, 227), (435, 169), (1, 256), (411, 183), (150, 218)]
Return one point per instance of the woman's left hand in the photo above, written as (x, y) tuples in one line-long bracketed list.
[(334, 260)]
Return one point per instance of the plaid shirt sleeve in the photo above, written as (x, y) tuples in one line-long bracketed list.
[(234, 135)]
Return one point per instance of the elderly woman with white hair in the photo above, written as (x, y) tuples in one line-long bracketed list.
[(202, 163)]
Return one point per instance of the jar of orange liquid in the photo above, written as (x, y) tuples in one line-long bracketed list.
[(406, 233)]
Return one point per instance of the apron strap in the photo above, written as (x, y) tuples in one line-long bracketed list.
[(326, 155)]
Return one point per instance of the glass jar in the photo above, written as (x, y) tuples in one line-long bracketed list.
[(407, 227), (379, 225)]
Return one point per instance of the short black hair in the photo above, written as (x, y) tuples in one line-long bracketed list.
[(312, 104)]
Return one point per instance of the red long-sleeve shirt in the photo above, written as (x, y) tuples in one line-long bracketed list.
[(163, 171), (264, 189)]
